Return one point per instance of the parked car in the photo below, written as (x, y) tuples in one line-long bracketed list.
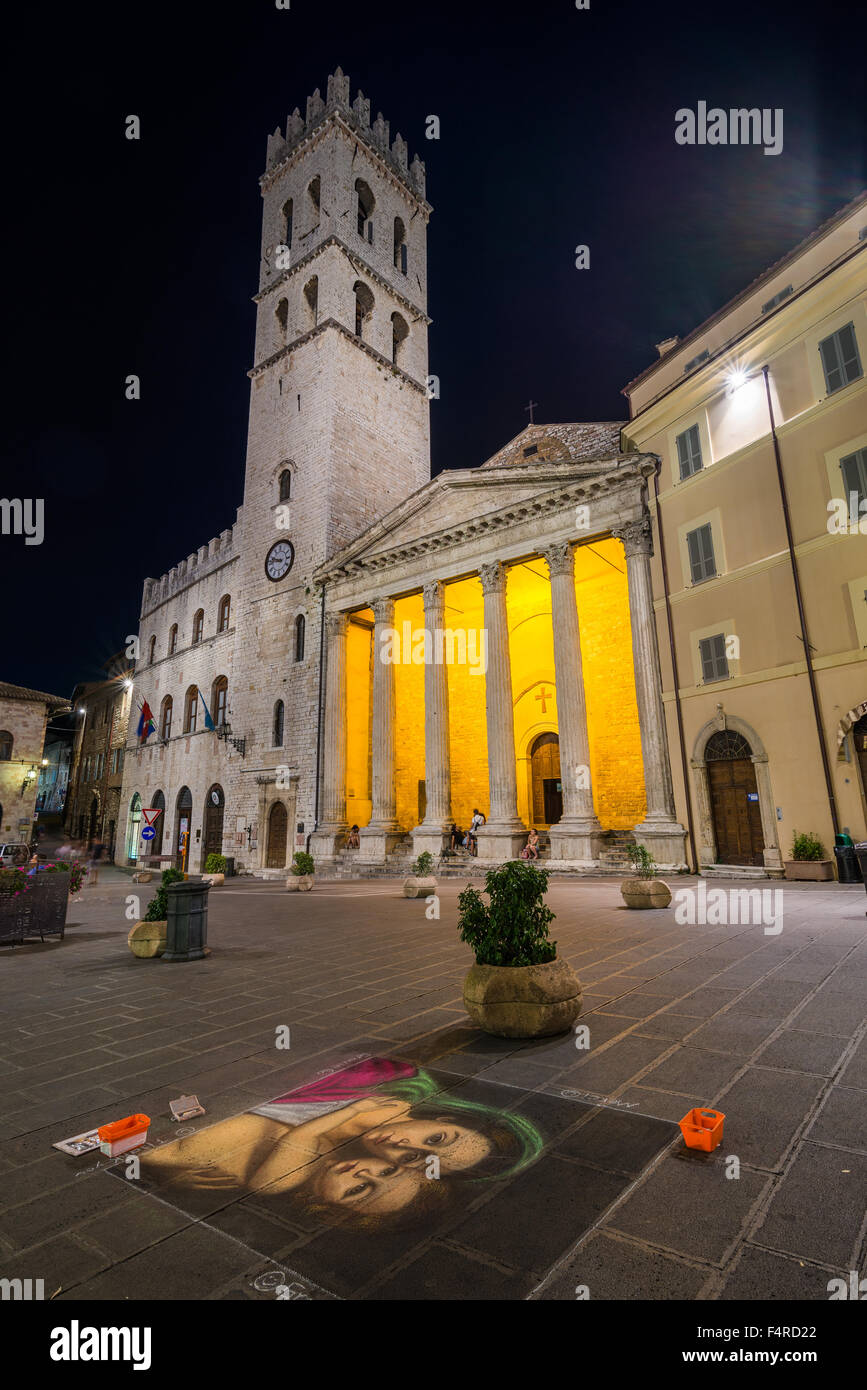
[(14, 854)]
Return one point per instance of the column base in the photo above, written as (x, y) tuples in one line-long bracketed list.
[(328, 841), (576, 839), (500, 840), (665, 840), (430, 839), (377, 843)]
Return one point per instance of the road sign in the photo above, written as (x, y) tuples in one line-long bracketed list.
[(148, 832), (150, 814)]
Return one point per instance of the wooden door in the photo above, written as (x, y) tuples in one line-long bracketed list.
[(212, 835), (545, 765), (737, 819), (278, 821)]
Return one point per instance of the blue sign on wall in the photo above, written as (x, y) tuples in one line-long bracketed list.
[(148, 832)]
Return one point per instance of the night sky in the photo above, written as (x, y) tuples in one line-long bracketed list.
[(557, 129)]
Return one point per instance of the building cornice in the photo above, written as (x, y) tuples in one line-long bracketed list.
[(377, 356)]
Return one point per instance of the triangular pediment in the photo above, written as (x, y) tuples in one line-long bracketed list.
[(510, 479)]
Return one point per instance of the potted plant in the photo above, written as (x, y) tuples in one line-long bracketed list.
[(644, 889), (148, 937), (14, 887), (300, 878), (519, 987), (808, 860), (421, 881), (215, 870)]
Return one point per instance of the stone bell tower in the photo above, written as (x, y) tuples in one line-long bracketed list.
[(339, 418)]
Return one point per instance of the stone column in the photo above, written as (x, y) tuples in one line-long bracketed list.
[(504, 834), (382, 833), (660, 832), (330, 835), (432, 834), (576, 834)]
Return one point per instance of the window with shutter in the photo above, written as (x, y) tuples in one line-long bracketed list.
[(714, 662), (689, 452), (840, 360), (854, 470), (702, 563)]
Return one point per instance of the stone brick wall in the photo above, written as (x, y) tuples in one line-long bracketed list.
[(25, 720)]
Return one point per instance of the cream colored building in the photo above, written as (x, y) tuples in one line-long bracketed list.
[(759, 418)]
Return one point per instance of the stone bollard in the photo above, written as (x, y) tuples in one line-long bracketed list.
[(187, 921)]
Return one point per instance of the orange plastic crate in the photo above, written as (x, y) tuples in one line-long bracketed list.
[(702, 1129), (122, 1135)]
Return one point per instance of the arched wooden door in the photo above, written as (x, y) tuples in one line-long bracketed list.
[(278, 824), (547, 789), (212, 834), (158, 803), (859, 738), (734, 799)]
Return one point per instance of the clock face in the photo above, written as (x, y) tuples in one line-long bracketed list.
[(278, 561)]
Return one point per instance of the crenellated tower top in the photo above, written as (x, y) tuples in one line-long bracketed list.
[(356, 114)]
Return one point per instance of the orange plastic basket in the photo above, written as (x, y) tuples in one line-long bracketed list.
[(702, 1129), (124, 1134)]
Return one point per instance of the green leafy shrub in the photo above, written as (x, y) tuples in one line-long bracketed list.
[(807, 847), (513, 928), (76, 871), (642, 861), (423, 865), (158, 908), (215, 864), (12, 882), (302, 863)]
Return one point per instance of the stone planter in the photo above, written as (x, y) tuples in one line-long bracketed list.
[(645, 892), (147, 939), (419, 887), (215, 880), (809, 870), (299, 883), (143, 876), (523, 1001)]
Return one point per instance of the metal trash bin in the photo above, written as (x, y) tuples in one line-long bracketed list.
[(847, 864), (861, 856)]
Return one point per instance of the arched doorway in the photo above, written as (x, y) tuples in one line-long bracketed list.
[(133, 829), (734, 799), (278, 824), (547, 799), (212, 833), (859, 741), (183, 820), (158, 803)]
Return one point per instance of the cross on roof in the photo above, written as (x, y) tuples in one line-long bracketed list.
[(531, 407)]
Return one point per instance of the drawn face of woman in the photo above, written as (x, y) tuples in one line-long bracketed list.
[(456, 1146), (366, 1182)]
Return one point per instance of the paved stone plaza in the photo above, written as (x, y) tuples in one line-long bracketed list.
[(769, 1029)]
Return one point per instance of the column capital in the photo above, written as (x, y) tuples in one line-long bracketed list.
[(560, 559), (335, 624), (493, 577), (383, 610), (637, 536), (432, 592)]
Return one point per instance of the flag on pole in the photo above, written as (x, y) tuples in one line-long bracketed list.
[(146, 723), (209, 723)]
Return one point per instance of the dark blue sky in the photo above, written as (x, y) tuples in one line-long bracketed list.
[(557, 129)]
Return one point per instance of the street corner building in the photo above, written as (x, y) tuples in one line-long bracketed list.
[(24, 716), (649, 630)]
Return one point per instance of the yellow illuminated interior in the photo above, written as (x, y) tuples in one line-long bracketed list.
[(612, 715)]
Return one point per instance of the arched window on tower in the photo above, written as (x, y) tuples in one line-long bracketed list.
[(191, 709), (363, 306), (166, 719), (152, 650), (173, 638), (364, 210), (399, 245), (281, 314), (285, 485), (219, 698), (278, 724), (286, 215), (311, 300), (313, 193), (399, 334), (224, 613), (198, 626), (300, 626)]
